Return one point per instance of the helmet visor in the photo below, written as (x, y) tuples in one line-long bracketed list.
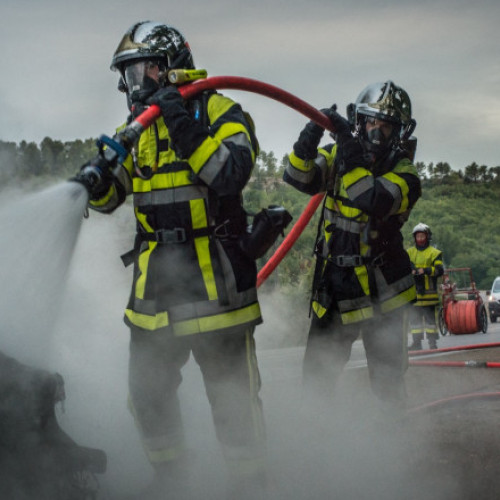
[(142, 76), (379, 134)]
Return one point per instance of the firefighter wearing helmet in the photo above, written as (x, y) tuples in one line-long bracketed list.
[(363, 277), (427, 267), (194, 289)]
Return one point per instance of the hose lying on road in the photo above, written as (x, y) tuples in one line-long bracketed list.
[(458, 364), (455, 348), (460, 397)]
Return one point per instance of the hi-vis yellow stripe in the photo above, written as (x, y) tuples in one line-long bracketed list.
[(162, 181), (404, 190), (140, 284), (103, 201), (362, 274), (159, 320), (399, 300), (357, 315), (318, 309), (199, 221), (218, 321)]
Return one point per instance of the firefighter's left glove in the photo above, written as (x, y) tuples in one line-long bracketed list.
[(185, 132), (306, 147)]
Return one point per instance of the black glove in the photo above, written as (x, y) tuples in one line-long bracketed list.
[(350, 153), (340, 124), (185, 132), (95, 176), (306, 147)]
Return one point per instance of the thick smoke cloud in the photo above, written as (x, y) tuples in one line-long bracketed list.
[(64, 289)]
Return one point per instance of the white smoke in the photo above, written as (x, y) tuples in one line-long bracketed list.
[(62, 308)]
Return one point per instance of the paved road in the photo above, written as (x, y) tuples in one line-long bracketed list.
[(285, 363)]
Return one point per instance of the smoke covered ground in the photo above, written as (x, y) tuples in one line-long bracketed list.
[(71, 322)]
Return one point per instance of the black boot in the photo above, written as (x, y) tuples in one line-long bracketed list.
[(170, 481), (432, 338), (417, 342)]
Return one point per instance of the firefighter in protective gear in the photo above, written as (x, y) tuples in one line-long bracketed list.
[(427, 267), (194, 290), (363, 280)]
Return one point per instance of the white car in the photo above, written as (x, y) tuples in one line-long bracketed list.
[(494, 300)]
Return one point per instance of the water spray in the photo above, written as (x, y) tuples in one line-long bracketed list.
[(39, 233)]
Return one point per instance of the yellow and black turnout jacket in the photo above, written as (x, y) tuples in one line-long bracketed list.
[(190, 275), (430, 259), (362, 266)]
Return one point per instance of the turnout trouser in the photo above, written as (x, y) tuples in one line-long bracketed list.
[(423, 320), (229, 367), (329, 347)]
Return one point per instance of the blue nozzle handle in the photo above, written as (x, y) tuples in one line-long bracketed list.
[(118, 148)]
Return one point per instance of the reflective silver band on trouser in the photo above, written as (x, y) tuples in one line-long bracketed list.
[(237, 300), (193, 310), (159, 448), (386, 291), (354, 304)]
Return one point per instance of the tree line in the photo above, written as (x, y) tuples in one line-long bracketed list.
[(461, 207)]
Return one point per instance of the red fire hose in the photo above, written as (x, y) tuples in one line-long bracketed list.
[(280, 95), (249, 85), (290, 239), (458, 364), (460, 397), (456, 348)]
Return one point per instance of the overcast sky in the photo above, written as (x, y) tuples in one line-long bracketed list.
[(56, 80)]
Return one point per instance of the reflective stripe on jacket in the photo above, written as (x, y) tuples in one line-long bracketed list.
[(201, 281), (362, 265), (430, 259)]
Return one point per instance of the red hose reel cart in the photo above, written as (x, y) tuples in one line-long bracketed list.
[(462, 308)]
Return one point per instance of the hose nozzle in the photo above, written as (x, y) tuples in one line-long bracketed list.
[(90, 176)]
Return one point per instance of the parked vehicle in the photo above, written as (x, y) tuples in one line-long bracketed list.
[(494, 300)]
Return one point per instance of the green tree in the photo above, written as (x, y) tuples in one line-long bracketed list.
[(30, 159), (52, 155), (472, 172)]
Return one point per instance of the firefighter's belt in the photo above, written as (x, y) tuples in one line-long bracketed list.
[(347, 260), (356, 260), (180, 235), (165, 236)]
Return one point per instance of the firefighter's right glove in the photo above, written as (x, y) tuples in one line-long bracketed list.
[(95, 176), (306, 147), (350, 153), (340, 124), (185, 132)]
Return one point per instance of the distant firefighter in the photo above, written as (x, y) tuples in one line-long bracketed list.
[(427, 266)]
